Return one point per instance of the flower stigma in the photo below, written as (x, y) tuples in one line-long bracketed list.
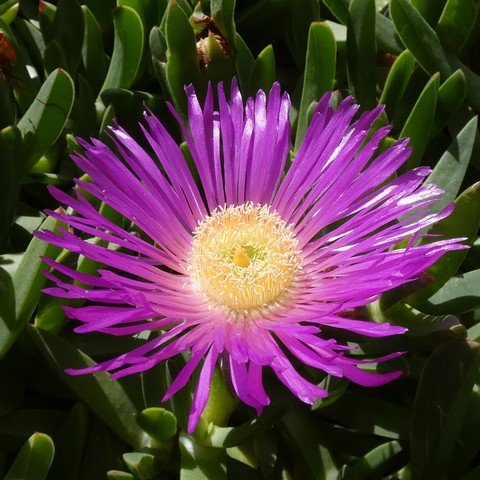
[(244, 259)]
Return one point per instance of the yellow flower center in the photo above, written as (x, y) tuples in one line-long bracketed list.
[(244, 259)]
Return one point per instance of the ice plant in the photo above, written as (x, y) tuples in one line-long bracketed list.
[(246, 260)]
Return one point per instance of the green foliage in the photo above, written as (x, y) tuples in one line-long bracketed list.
[(80, 63)]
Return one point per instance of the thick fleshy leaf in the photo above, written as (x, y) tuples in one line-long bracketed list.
[(306, 440), (319, 72), (361, 51), (118, 475), (142, 465), (159, 423), (93, 54), (199, 462), (70, 443), (463, 222), (158, 50), (68, 30), (85, 111), (420, 122), (373, 463), (182, 58), (20, 297), (233, 436), (339, 8), (18, 426), (387, 39), (44, 121), (446, 395), (12, 384), (473, 80), (220, 403), (424, 332), (222, 12), (11, 169), (397, 81), (430, 11), (457, 22), (54, 57), (263, 73), (451, 95), (419, 38), (34, 460), (385, 418), (301, 17), (106, 398), (46, 16), (460, 294), (9, 13), (245, 62), (450, 170), (127, 49), (32, 38), (100, 453)]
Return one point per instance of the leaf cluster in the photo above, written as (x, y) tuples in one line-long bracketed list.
[(67, 68)]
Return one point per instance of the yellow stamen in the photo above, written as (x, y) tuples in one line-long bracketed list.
[(244, 259), (241, 259)]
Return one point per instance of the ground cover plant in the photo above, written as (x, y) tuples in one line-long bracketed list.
[(407, 300)]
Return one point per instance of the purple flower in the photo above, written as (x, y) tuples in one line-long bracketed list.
[(256, 255)]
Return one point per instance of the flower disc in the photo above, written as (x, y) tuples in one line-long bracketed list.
[(244, 259)]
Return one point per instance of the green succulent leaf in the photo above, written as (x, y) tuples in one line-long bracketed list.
[(234, 436), (450, 170), (361, 51), (159, 423), (460, 294), (451, 95), (419, 38), (373, 463), (34, 460), (463, 222), (450, 383), (68, 31), (18, 426), (101, 453), (199, 462), (430, 11), (127, 50), (93, 53), (263, 71), (385, 419), (11, 150), (245, 62), (301, 17), (70, 441), (10, 14), (457, 22), (420, 122), (117, 475), (54, 57), (20, 297), (105, 398), (142, 465), (44, 121), (387, 38), (46, 16), (222, 12), (319, 73), (397, 81), (182, 59), (306, 440)]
